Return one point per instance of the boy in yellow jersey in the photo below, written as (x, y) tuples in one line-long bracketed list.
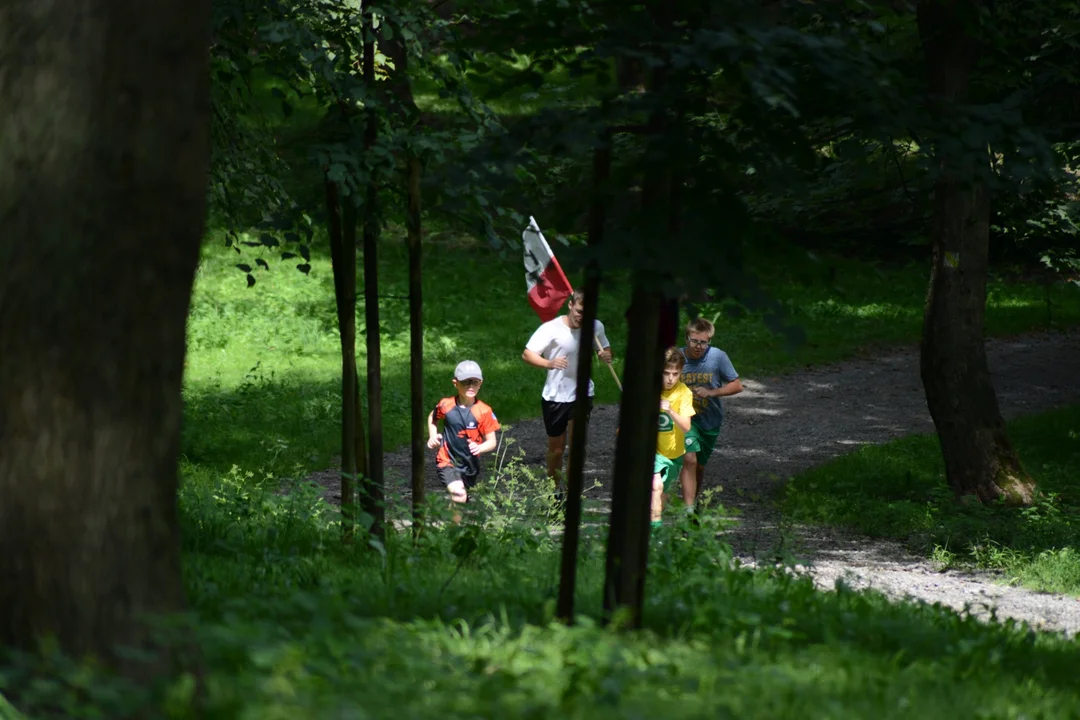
[(676, 409)]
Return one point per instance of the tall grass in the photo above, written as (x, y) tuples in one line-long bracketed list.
[(460, 624)]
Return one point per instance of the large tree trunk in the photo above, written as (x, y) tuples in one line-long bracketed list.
[(979, 459), (104, 161)]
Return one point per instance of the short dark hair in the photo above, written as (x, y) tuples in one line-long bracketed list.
[(674, 356), (700, 325)]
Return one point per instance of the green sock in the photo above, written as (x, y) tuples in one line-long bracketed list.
[(656, 523)]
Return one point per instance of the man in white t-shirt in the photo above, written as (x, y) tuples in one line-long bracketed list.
[(554, 347)]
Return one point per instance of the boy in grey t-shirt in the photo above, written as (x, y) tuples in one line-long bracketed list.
[(710, 376)]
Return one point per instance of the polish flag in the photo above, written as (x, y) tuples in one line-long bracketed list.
[(545, 281)]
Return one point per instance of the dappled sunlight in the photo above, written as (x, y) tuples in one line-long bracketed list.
[(867, 311), (763, 411)]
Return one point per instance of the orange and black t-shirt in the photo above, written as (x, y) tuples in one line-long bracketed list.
[(463, 424)]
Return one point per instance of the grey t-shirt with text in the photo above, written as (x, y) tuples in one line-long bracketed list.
[(713, 370)]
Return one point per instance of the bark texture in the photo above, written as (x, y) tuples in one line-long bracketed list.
[(343, 259), (104, 162), (601, 170), (979, 458), (418, 418), (371, 485)]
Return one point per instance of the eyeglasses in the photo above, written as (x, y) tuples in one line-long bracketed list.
[(697, 343), (473, 382)]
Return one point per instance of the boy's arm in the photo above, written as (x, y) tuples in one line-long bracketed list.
[(489, 444), (539, 343), (732, 388), (434, 439), (601, 338), (535, 359), (681, 422), (730, 384)]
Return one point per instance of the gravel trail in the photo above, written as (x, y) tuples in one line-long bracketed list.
[(784, 424)]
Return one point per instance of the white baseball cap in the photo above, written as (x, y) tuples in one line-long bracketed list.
[(468, 369)]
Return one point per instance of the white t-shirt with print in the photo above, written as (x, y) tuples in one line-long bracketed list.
[(555, 339)]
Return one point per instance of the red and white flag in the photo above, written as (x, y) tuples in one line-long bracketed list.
[(545, 281)]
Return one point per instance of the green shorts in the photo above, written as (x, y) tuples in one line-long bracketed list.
[(668, 469), (701, 442)]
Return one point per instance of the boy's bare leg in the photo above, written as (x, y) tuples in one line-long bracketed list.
[(656, 510), (690, 478), (566, 444), (555, 449), (458, 496)]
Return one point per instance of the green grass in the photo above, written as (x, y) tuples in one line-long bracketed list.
[(847, 307), (898, 490), (293, 625), (263, 378)]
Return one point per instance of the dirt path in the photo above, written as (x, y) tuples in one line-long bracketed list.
[(784, 424)]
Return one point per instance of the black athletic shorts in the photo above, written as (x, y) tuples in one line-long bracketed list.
[(557, 415), (448, 475)]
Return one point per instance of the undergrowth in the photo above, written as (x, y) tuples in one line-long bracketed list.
[(460, 623)]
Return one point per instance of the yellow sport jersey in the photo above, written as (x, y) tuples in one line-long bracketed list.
[(670, 440)]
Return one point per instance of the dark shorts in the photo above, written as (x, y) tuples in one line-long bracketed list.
[(557, 415), (448, 475)]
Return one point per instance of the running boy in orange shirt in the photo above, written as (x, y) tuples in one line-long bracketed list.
[(469, 430)]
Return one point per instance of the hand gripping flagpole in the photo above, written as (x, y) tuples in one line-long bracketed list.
[(613, 375)]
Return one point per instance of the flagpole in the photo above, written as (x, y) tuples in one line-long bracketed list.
[(615, 376)]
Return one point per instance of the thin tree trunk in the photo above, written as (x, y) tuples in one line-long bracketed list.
[(399, 87), (348, 235), (105, 149), (574, 484), (635, 450), (343, 259), (416, 343), (628, 536), (979, 459), (372, 495)]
